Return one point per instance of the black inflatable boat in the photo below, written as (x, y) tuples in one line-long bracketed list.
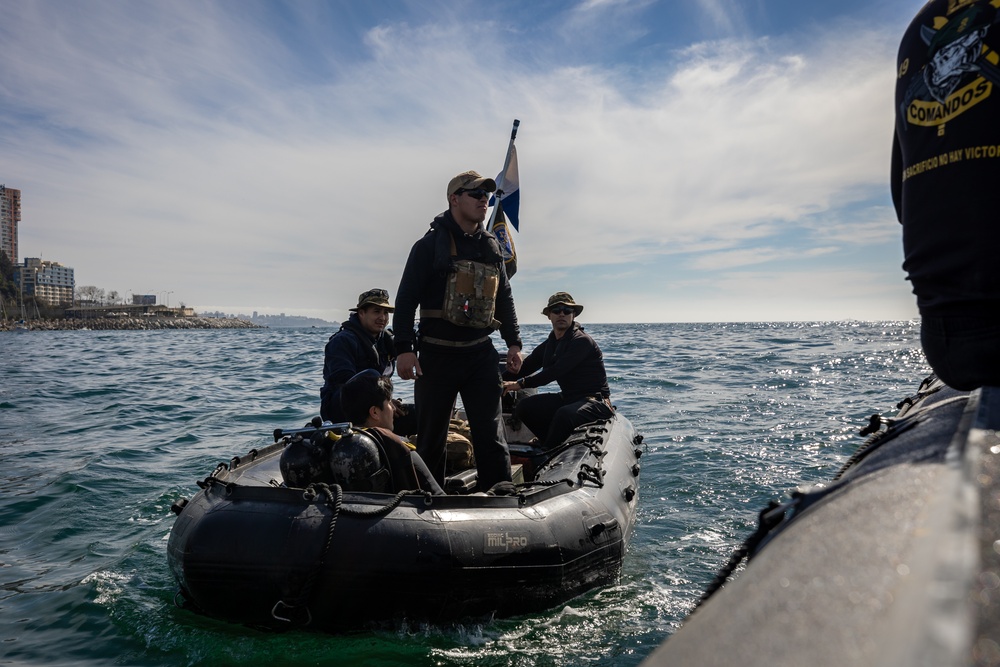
[(251, 549), (894, 562)]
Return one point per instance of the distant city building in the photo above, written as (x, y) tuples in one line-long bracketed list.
[(47, 281), (10, 216), (143, 299)]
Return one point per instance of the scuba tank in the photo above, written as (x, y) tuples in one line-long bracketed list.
[(305, 459)]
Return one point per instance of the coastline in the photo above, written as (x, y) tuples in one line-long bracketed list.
[(129, 324)]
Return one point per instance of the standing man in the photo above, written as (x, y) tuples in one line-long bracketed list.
[(361, 343), (572, 358), (945, 170), (455, 274)]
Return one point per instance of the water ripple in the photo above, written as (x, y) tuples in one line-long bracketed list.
[(101, 431)]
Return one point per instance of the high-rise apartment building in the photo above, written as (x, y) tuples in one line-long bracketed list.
[(10, 216), (50, 282)]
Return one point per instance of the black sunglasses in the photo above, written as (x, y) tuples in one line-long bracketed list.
[(562, 310), (478, 193)]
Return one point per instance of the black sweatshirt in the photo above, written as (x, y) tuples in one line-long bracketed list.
[(574, 361), (945, 173), (424, 281)]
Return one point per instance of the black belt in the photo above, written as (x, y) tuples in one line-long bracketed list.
[(453, 343)]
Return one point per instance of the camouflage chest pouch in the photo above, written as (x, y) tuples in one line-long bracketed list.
[(470, 295)]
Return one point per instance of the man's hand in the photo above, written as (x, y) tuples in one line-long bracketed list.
[(514, 359), (408, 367)]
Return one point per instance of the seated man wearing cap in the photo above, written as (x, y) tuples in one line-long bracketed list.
[(361, 343), (366, 400), (455, 274), (572, 358)]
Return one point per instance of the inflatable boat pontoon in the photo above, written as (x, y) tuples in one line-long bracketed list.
[(251, 549)]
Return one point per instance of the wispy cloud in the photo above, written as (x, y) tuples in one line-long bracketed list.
[(247, 160), (724, 15)]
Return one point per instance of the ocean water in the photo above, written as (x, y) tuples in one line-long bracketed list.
[(100, 432)]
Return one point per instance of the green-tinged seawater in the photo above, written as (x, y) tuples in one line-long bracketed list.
[(100, 432)]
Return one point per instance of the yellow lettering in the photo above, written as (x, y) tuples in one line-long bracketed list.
[(933, 113)]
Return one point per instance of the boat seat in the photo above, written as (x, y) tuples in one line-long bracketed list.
[(464, 481)]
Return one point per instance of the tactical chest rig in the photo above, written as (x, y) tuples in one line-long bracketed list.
[(470, 294)]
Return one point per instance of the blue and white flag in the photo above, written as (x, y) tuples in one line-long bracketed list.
[(510, 188), (509, 191), (499, 228)]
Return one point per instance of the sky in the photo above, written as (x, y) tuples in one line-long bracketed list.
[(700, 161)]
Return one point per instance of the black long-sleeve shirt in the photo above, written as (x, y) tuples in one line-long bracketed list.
[(424, 281), (574, 361)]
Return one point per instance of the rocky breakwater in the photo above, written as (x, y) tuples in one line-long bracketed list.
[(130, 324)]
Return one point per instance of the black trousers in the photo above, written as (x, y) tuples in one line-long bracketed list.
[(963, 351), (474, 374), (552, 418)]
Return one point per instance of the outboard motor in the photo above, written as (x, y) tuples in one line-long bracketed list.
[(356, 463), (305, 461)]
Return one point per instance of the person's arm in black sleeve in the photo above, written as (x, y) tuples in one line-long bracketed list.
[(340, 363), (509, 329), (418, 264), (576, 350), (533, 361), (896, 177)]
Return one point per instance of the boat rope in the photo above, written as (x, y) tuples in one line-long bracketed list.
[(334, 499), (772, 515), (768, 518), (545, 482), (894, 428), (392, 504)]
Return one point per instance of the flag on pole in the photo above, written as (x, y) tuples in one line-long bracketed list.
[(498, 225), (507, 199), (509, 188)]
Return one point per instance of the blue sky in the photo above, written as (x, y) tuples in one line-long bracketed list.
[(710, 160)]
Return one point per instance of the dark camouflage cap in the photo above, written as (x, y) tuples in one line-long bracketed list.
[(562, 298), (374, 297)]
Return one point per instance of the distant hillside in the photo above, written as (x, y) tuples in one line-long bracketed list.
[(8, 288), (277, 321)]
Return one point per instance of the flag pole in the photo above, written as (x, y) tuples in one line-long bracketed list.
[(506, 161)]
